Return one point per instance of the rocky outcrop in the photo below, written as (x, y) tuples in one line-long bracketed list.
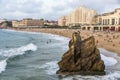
[(82, 57), (5, 24)]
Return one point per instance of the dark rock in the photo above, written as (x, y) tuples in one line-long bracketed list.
[(5, 24), (82, 57)]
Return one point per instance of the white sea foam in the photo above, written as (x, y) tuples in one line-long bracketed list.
[(111, 76), (60, 38), (18, 51), (14, 52), (3, 65), (50, 67), (109, 61)]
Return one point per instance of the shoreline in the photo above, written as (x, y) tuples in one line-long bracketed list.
[(109, 41)]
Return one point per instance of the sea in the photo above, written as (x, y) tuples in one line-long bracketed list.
[(34, 56)]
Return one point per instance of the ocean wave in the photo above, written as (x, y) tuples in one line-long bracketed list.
[(111, 76), (49, 67), (18, 51), (9, 30), (3, 64), (52, 67), (53, 36), (14, 52), (108, 61), (108, 57)]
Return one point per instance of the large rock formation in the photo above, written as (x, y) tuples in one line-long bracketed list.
[(82, 57)]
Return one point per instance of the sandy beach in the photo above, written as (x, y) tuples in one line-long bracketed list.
[(107, 40)]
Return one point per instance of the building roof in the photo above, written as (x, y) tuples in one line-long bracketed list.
[(109, 13)]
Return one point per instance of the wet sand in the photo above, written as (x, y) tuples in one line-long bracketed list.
[(107, 40)]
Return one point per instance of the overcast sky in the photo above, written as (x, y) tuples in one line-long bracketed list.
[(50, 9)]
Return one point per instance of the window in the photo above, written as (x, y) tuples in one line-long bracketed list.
[(113, 21), (108, 22), (103, 21), (119, 21)]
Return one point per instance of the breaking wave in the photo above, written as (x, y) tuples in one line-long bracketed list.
[(3, 64), (51, 67), (18, 51), (109, 61), (111, 76), (14, 52)]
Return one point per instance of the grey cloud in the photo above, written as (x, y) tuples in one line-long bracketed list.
[(50, 9)]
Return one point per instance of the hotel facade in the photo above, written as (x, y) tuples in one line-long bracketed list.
[(81, 16), (109, 20), (88, 19), (27, 22)]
